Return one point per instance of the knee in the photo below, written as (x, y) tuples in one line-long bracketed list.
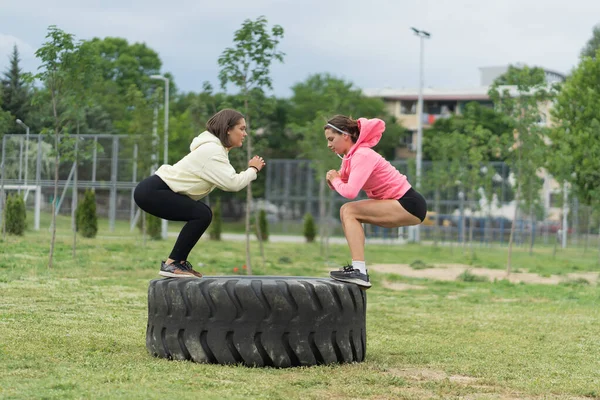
[(346, 211), (203, 213)]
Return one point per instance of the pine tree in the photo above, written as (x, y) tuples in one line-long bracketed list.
[(86, 218), (309, 228), (15, 91), (15, 215)]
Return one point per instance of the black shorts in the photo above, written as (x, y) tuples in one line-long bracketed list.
[(414, 203)]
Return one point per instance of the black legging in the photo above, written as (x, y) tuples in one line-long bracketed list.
[(155, 197)]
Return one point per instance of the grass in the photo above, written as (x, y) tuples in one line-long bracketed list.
[(78, 330)]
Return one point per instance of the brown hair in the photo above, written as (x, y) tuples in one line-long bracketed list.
[(345, 124), (220, 123)]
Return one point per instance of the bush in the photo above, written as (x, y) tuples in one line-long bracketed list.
[(215, 225), (153, 227), (264, 225), (86, 220), (15, 215), (309, 228)]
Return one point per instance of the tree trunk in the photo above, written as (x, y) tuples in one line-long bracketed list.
[(322, 206), (56, 160), (598, 245), (532, 230), (74, 199), (437, 217), (248, 191), (472, 221), (589, 229), (512, 230)]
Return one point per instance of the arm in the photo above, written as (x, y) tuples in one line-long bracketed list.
[(221, 173), (360, 170)]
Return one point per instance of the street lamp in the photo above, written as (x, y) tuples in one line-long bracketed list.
[(422, 35), (18, 121), (166, 141)]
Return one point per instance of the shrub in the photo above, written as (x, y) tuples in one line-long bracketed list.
[(309, 228), (15, 215), (86, 220)]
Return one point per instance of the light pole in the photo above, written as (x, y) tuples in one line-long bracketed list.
[(422, 36), (18, 121), (164, 223)]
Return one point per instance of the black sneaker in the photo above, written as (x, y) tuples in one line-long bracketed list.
[(350, 275), (174, 270)]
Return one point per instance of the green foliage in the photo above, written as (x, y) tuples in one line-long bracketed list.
[(86, 217), (15, 92), (524, 77), (263, 225), (247, 65), (310, 230), (468, 276), (526, 150), (593, 45), (153, 227), (15, 215), (216, 224), (320, 97), (575, 148)]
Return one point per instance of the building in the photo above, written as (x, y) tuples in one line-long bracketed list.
[(441, 103)]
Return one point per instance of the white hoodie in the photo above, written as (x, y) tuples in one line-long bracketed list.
[(205, 168)]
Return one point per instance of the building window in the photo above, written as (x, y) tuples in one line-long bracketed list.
[(408, 107)]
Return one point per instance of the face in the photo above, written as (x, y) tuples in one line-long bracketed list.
[(237, 134), (338, 143)]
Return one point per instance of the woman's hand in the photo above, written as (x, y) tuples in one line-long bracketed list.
[(256, 162), (331, 175)]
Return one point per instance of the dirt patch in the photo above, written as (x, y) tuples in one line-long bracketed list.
[(450, 272), (424, 374), (401, 286)]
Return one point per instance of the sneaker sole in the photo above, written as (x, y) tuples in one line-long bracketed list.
[(358, 282), (172, 275)]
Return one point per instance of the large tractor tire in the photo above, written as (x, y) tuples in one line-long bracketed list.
[(256, 321)]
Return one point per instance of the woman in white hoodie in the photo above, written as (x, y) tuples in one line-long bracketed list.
[(173, 192)]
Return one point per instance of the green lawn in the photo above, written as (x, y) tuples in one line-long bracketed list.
[(78, 330)]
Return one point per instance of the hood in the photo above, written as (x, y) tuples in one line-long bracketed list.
[(370, 134), (203, 138)]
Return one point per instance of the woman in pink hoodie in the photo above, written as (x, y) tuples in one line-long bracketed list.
[(392, 201)]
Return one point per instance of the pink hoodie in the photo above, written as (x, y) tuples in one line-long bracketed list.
[(362, 168)]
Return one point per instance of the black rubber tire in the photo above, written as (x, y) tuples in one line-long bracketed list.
[(257, 321)]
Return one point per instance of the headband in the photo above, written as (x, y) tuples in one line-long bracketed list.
[(337, 129)]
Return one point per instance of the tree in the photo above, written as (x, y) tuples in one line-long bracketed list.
[(523, 76), (313, 146), (324, 94), (247, 66), (521, 106), (309, 228), (64, 68), (16, 96), (87, 220), (574, 154), (462, 148), (15, 216), (6, 119), (593, 45)]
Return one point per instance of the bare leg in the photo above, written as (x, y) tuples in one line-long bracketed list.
[(384, 213)]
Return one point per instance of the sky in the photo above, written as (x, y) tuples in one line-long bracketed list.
[(369, 43)]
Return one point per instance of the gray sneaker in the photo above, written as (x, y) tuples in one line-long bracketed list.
[(175, 270), (350, 275)]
